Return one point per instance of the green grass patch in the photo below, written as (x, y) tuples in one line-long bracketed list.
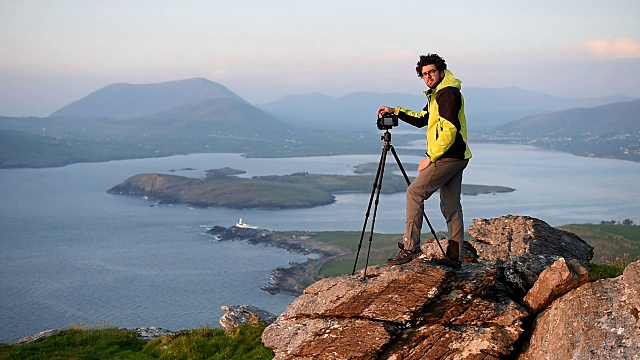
[(609, 242), (243, 342), (629, 232), (610, 269)]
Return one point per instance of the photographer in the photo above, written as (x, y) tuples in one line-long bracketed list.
[(447, 156)]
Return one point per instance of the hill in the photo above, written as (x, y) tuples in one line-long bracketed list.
[(173, 118), (611, 130), (133, 100), (486, 108), (611, 119)]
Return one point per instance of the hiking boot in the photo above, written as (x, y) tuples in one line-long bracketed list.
[(404, 256), (454, 264)]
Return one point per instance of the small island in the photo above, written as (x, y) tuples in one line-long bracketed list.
[(222, 188)]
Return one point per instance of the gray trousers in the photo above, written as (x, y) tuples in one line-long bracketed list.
[(444, 175)]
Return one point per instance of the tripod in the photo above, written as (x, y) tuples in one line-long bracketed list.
[(377, 186)]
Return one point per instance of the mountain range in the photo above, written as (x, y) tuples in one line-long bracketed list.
[(606, 120), (485, 108), (197, 115)]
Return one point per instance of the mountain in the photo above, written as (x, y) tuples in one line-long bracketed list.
[(125, 121), (352, 112), (221, 115), (611, 119), (485, 108), (131, 100)]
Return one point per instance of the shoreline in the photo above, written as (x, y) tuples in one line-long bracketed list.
[(294, 279)]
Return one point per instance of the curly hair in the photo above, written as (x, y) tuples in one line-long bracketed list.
[(429, 59)]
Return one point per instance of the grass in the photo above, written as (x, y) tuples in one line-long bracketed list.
[(243, 342), (614, 246), (609, 242), (609, 269)]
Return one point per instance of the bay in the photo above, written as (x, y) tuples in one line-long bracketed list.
[(71, 253)]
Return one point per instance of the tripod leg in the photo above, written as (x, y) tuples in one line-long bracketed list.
[(378, 177), (424, 214), (375, 209)]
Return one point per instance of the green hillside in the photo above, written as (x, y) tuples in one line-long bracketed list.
[(610, 242)]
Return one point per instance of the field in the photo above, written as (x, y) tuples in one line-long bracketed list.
[(610, 242)]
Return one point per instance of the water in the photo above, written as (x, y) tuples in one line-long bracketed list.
[(71, 253)]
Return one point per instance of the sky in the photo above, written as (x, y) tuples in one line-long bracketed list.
[(54, 52)]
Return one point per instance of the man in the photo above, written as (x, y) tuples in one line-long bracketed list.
[(447, 156)]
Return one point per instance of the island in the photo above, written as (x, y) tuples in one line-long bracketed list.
[(222, 188)]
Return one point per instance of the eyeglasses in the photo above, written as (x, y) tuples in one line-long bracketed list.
[(429, 73)]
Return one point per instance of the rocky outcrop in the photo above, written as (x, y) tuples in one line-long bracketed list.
[(524, 269), (244, 314), (150, 333), (415, 311), (142, 333), (599, 320), (288, 280), (504, 237), (37, 337)]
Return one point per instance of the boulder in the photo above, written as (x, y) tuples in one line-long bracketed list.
[(598, 320), (554, 282), (244, 314), (506, 236)]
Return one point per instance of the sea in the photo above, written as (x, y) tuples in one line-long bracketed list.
[(72, 254)]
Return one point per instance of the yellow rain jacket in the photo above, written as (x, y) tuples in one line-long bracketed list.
[(445, 120)]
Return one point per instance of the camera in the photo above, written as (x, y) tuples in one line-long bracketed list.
[(387, 120)]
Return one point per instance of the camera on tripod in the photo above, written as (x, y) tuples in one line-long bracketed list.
[(386, 121)]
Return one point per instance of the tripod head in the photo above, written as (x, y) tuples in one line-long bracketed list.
[(386, 137)]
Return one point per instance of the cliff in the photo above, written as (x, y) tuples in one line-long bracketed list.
[(524, 292)]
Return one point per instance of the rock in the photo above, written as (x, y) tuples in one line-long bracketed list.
[(506, 236), (555, 281), (327, 338), (396, 312), (430, 249), (598, 320), (244, 314), (37, 337), (150, 333)]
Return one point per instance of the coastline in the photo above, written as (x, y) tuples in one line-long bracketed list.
[(295, 278)]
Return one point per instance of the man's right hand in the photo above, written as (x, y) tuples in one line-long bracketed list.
[(385, 109), (424, 164)]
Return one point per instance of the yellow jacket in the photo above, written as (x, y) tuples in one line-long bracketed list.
[(445, 120)]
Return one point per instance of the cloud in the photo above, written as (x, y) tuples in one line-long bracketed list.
[(623, 48), (219, 74)]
